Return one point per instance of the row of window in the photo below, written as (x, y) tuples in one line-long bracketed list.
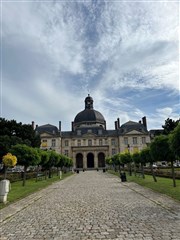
[(105, 141), (90, 142), (134, 140)]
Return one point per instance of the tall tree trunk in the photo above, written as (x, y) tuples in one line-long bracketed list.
[(24, 176), (135, 170), (5, 172), (46, 174), (152, 172), (142, 170), (130, 170), (173, 174)]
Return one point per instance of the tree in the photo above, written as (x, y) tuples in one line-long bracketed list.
[(174, 139), (126, 159), (9, 160), (146, 158), (169, 126), (160, 151), (23, 131), (27, 156), (137, 160)]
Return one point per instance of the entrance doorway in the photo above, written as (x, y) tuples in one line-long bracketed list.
[(79, 160), (101, 160), (90, 160)]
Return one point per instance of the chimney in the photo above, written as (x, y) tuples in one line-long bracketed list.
[(33, 125), (59, 126), (115, 125), (144, 122), (72, 126), (118, 121)]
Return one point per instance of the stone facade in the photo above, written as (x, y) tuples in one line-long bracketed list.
[(89, 142)]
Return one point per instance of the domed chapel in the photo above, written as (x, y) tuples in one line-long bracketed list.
[(89, 142)]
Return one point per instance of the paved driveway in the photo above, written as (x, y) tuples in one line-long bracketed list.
[(92, 205)]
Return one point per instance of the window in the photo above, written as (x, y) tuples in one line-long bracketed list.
[(89, 131), (84, 142), (89, 142), (106, 141), (79, 132), (53, 142), (66, 143), (66, 152), (44, 143), (113, 142), (143, 140), (125, 140), (134, 140), (79, 142), (100, 142), (100, 131), (113, 151), (135, 150)]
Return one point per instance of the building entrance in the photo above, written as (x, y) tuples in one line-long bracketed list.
[(90, 160), (79, 160), (101, 160)]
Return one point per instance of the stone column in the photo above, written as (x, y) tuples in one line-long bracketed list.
[(74, 159), (95, 160), (84, 160)]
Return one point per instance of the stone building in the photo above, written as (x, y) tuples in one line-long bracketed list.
[(89, 142)]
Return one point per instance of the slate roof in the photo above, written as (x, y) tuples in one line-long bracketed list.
[(89, 115), (48, 128)]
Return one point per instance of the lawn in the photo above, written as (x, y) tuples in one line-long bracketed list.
[(18, 191), (163, 185)]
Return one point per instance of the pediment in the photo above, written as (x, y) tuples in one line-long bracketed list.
[(134, 132), (88, 135), (45, 134)]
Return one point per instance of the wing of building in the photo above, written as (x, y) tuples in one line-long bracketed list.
[(89, 142)]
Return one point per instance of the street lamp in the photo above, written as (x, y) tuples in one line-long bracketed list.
[(130, 170)]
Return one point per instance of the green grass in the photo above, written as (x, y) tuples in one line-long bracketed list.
[(163, 185), (18, 191)]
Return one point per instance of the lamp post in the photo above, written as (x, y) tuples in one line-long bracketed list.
[(130, 170)]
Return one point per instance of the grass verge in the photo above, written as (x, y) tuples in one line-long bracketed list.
[(18, 191), (163, 185)]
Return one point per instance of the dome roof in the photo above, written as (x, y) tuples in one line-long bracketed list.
[(89, 115)]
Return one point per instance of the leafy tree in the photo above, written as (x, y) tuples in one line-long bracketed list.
[(160, 151), (137, 161), (116, 161), (23, 131), (27, 156), (174, 139), (126, 159), (169, 126), (9, 160), (146, 158)]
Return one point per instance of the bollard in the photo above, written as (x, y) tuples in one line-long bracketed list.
[(4, 189), (60, 174)]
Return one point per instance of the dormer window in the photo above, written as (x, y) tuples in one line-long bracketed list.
[(100, 132), (79, 132)]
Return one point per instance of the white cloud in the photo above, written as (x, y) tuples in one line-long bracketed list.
[(55, 52)]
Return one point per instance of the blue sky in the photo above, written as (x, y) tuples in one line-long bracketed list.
[(124, 53)]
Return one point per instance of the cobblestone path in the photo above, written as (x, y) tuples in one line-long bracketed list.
[(92, 205)]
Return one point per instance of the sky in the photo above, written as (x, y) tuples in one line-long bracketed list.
[(125, 54)]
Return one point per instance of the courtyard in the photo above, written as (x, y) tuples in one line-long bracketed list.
[(92, 205)]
